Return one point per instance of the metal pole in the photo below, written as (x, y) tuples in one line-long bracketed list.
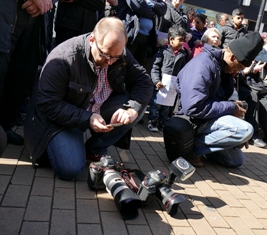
[(260, 16)]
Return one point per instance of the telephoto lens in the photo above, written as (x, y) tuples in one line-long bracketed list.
[(170, 199), (127, 201)]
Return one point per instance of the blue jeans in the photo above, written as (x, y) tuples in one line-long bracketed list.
[(223, 135), (157, 111), (66, 150)]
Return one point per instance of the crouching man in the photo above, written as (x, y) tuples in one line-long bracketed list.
[(205, 84), (87, 82)]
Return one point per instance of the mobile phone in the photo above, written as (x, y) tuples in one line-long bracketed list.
[(114, 124)]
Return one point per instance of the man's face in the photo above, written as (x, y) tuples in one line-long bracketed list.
[(224, 19), (108, 51), (232, 64), (237, 20)]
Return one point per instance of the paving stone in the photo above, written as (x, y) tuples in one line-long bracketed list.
[(40, 228), (138, 230), (7, 167), (158, 223), (248, 218), (16, 196), (83, 192), (113, 224), (254, 209), (38, 208), (92, 229), (224, 231), (63, 222), (258, 199), (228, 198), (87, 211), (4, 182), (183, 231), (23, 175), (260, 232), (10, 220), (200, 225), (43, 186), (44, 172), (64, 183), (238, 225), (64, 198)]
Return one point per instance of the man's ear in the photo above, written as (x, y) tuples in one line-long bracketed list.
[(91, 39)]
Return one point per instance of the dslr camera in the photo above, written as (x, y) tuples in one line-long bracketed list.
[(128, 196)]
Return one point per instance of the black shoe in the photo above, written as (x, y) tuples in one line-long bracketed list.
[(14, 138), (257, 142)]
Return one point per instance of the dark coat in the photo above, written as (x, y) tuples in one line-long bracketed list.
[(229, 33), (81, 15), (66, 85), (165, 62), (203, 89), (129, 12), (175, 16)]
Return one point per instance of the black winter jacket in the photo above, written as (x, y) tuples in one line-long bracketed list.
[(66, 85), (175, 16), (81, 15), (165, 62), (229, 33)]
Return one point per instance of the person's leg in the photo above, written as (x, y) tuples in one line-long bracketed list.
[(99, 142), (63, 34), (66, 153), (263, 115), (222, 133), (232, 157)]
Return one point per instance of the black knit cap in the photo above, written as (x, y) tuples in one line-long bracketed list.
[(246, 48)]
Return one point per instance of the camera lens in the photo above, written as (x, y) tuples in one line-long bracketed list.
[(170, 199), (125, 199)]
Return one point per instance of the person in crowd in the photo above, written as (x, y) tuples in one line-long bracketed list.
[(139, 17), (245, 23), (255, 115), (190, 12), (211, 24), (87, 82), (19, 57), (222, 19), (74, 18), (212, 36), (204, 85), (175, 15), (197, 30), (233, 28), (169, 60)]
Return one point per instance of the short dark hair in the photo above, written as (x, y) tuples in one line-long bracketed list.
[(237, 11), (202, 17), (176, 31)]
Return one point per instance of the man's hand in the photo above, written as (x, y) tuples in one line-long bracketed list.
[(98, 124), (37, 7), (159, 85), (240, 112), (124, 116)]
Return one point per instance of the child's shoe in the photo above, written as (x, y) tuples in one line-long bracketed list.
[(152, 125)]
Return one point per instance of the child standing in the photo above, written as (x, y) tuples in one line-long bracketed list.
[(168, 60)]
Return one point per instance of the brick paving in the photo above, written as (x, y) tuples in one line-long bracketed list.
[(219, 200)]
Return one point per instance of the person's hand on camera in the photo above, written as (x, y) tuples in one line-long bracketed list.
[(98, 124), (240, 111), (124, 116)]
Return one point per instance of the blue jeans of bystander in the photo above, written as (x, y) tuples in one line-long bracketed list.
[(223, 135)]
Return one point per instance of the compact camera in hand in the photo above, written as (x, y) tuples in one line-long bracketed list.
[(244, 105), (128, 196)]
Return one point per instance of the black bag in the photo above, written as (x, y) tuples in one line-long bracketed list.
[(178, 135)]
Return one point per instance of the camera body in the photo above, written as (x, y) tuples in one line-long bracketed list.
[(244, 105), (111, 175)]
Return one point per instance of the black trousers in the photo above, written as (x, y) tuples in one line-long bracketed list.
[(18, 68)]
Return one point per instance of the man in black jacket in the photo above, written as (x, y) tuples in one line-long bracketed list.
[(233, 28), (87, 82)]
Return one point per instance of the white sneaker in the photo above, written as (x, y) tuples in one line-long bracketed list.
[(151, 127)]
